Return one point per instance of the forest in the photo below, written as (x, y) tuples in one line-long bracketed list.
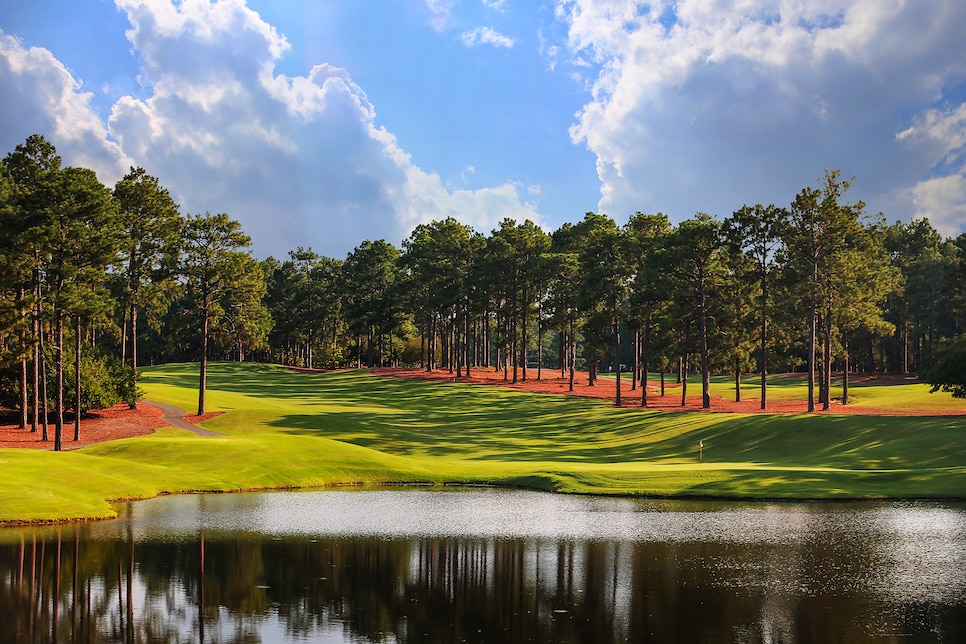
[(96, 282)]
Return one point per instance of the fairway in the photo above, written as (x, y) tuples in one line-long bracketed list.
[(286, 429)]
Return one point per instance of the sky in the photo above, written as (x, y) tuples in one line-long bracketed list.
[(323, 123)]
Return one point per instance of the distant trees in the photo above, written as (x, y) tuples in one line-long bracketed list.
[(758, 232), (92, 278), (372, 298), (645, 236)]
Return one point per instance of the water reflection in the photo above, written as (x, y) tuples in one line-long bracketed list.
[(488, 566)]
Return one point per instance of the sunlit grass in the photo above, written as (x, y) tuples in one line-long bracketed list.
[(284, 429)]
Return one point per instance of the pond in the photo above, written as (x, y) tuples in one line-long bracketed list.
[(486, 565)]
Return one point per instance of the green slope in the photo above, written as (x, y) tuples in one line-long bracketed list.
[(288, 429)]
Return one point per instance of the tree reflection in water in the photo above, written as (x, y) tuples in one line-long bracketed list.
[(70, 584)]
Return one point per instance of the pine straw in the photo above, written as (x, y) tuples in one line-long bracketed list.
[(95, 427), (551, 383)]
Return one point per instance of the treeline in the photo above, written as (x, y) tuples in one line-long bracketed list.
[(96, 282)]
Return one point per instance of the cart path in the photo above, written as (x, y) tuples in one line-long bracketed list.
[(174, 416)]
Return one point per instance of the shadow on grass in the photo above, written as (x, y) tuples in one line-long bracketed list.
[(910, 484), (406, 417)]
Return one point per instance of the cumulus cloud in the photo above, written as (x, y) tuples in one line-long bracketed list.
[(941, 133), (699, 105), (485, 36), (40, 96), (942, 200), (298, 160)]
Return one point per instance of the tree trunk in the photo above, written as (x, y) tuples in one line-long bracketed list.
[(524, 335), (462, 344), (203, 371), (636, 364), (59, 384), (764, 357), (572, 350), (737, 378), (124, 320), (905, 347), (827, 364), (36, 367), (134, 351), (35, 389), (370, 357), (684, 380), (705, 368), (43, 383), (24, 401), (812, 314), (539, 342), (617, 359), (77, 381), (845, 372), (646, 350), (469, 351), (561, 360), (514, 346), (431, 349), (310, 343)]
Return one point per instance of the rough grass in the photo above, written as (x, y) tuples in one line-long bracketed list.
[(286, 429)]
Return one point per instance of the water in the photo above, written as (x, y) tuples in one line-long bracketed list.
[(488, 566)]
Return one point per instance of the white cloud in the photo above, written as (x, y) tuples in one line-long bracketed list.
[(485, 36), (40, 96), (941, 134), (495, 5), (708, 104), (298, 160), (944, 130), (942, 200), (441, 13)]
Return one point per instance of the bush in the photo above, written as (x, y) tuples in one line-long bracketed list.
[(105, 382), (947, 367)]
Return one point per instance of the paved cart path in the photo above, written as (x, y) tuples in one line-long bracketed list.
[(174, 416)]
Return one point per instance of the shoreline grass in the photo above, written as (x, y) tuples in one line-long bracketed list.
[(285, 430)]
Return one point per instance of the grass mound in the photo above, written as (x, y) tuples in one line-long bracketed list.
[(285, 429)]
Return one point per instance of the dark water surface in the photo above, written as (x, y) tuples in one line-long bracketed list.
[(488, 566)]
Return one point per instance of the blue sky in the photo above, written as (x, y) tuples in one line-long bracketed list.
[(324, 123)]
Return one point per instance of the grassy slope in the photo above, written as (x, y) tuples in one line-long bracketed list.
[(285, 429)]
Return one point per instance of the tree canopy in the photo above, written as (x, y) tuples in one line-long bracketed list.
[(817, 285)]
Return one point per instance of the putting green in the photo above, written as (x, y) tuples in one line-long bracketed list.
[(285, 429)]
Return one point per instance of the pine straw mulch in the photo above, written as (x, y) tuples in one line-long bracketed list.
[(95, 427), (551, 383)]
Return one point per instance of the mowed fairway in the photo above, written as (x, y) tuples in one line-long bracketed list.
[(286, 429)]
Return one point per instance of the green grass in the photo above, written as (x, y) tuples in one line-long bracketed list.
[(871, 394), (285, 429)]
